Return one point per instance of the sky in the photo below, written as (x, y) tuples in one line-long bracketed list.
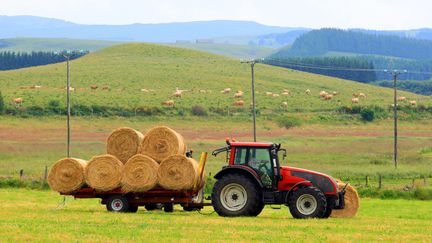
[(369, 14)]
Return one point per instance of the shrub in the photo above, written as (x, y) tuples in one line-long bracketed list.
[(198, 110), (367, 114), (81, 110), (288, 122), (35, 110), (2, 106)]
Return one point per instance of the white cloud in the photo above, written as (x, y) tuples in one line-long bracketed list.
[(373, 14)]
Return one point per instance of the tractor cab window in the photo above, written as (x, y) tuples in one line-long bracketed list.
[(240, 156), (259, 160)]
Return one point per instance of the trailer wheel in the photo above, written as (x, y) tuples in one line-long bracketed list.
[(153, 206), (236, 195), (168, 207), (133, 208), (118, 203), (307, 202)]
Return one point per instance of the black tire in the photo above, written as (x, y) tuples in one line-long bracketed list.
[(153, 206), (189, 209), (133, 208), (232, 188), (258, 210), (307, 202), (168, 207), (118, 203), (330, 205)]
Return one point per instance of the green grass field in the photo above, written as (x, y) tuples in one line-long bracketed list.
[(230, 50), (126, 69), (28, 215)]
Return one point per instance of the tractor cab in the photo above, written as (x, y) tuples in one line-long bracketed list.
[(260, 159)]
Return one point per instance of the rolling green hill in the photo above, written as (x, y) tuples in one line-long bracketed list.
[(126, 69), (230, 50), (52, 44)]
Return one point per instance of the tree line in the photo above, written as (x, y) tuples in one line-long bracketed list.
[(320, 42), (319, 65), (13, 60)]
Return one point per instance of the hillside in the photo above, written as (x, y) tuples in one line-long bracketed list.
[(52, 44), (319, 42), (230, 50), (382, 51), (126, 69)]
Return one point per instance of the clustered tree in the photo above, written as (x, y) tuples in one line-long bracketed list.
[(13, 60)]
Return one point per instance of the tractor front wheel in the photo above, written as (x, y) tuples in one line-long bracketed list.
[(236, 195), (307, 202)]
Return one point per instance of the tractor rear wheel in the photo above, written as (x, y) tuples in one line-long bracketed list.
[(236, 195), (307, 202)]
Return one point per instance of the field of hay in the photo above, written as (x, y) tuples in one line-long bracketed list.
[(38, 216)]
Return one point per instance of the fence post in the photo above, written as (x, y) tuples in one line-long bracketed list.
[(379, 181), (425, 181), (45, 173), (413, 183), (21, 174), (367, 180)]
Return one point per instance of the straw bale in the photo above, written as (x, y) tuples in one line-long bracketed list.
[(178, 172), (162, 142), (67, 175), (352, 203), (124, 143), (139, 174), (103, 172)]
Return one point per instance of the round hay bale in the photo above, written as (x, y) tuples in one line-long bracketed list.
[(162, 142), (67, 175), (103, 172), (352, 203), (124, 143), (139, 174), (178, 172)]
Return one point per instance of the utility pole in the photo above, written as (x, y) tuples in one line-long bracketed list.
[(252, 65), (67, 55), (395, 74)]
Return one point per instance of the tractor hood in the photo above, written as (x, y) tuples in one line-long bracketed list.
[(322, 181)]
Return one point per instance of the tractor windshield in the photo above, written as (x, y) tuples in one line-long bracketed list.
[(258, 159)]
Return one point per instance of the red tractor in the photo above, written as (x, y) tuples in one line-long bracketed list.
[(254, 178)]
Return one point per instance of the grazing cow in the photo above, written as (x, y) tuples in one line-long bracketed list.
[(18, 101), (308, 92), (275, 95), (413, 102), (285, 93), (269, 93), (239, 94), (323, 94), (238, 103), (105, 88), (335, 93), (145, 90), (362, 95), (356, 95), (355, 100), (402, 98), (284, 105), (93, 87), (226, 91), (169, 103), (328, 97)]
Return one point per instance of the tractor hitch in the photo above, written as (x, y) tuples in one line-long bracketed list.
[(340, 203)]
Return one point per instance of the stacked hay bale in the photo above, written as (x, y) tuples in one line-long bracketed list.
[(134, 163), (352, 202), (67, 175)]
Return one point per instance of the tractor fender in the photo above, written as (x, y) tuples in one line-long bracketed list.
[(297, 185), (242, 170)]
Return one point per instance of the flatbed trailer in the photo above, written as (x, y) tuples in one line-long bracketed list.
[(119, 201)]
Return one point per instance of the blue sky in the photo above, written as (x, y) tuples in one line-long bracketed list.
[(372, 14)]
